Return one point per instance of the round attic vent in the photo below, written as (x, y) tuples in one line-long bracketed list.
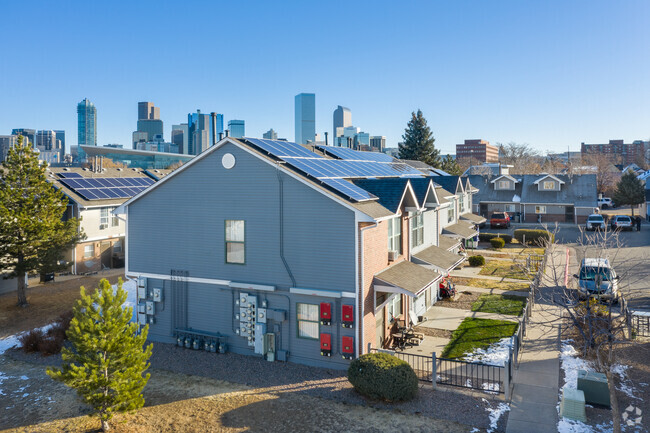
[(228, 161)]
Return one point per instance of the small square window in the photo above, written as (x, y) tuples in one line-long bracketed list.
[(549, 185), (89, 251), (540, 209)]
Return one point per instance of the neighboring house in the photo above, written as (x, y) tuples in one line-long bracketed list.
[(426, 169), (532, 198), (488, 169), (271, 250), (92, 197)]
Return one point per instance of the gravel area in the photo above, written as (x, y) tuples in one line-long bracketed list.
[(433, 332), (453, 404)]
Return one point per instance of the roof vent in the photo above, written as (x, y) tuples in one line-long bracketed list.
[(86, 169), (157, 171), (119, 169), (66, 168), (134, 169)]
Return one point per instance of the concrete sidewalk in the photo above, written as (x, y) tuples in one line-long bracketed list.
[(533, 407)]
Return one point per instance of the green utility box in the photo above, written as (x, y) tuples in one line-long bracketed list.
[(572, 405), (595, 387)]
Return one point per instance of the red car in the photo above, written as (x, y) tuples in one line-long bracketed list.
[(500, 219)]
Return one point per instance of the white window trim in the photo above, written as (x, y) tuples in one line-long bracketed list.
[(540, 209)]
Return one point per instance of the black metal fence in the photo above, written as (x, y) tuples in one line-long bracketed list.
[(638, 322)]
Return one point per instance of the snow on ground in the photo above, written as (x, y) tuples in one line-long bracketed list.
[(571, 364), (131, 289), (625, 384), (495, 414), (496, 354), (571, 426)]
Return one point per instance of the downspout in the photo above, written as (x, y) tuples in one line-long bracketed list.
[(361, 291), (281, 193)]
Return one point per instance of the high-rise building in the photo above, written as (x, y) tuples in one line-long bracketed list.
[(60, 135), (270, 135), (147, 111), (342, 119), (49, 146), (305, 110), (626, 153), (28, 134), (378, 142), (198, 132), (179, 137), (6, 143), (237, 128), (148, 122), (86, 124), (479, 151)]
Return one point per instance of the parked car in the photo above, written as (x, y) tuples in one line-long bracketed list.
[(605, 202), (597, 278), (621, 222), (595, 222), (500, 219)]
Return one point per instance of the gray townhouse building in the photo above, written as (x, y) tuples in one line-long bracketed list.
[(306, 254)]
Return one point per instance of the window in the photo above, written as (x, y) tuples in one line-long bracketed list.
[(461, 204), (395, 234), (540, 209), (114, 220), (510, 208), (307, 316), (103, 218), (117, 247), (235, 242), (394, 307), (450, 213), (417, 230), (89, 251), (548, 185), (503, 184)]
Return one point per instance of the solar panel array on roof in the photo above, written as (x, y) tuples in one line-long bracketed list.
[(332, 172), (105, 188), (70, 175), (355, 155)]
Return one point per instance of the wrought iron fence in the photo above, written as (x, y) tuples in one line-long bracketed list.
[(640, 323)]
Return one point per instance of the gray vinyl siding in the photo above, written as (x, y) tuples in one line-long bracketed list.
[(180, 225), (430, 231), (211, 309)]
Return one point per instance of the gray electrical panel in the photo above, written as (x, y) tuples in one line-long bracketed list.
[(260, 330), (247, 317)]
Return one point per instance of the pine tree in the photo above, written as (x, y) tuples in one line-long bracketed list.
[(418, 142), (629, 191), (450, 165), (107, 361), (32, 235)]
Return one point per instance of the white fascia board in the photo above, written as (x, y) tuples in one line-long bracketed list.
[(248, 286), (169, 277), (546, 176), (392, 289), (431, 190), (507, 176), (321, 293)]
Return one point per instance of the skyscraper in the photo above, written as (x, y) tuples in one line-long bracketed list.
[(305, 119), (6, 142), (149, 123), (60, 135), (180, 137), (378, 142), (270, 135), (147, 111), (342, 119), (86, 124), (237, 128), (28, 134), (198, 132)]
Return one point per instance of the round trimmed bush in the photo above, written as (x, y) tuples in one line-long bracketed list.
[(486, 237), (383, 376), (497, 243), (476, 260)]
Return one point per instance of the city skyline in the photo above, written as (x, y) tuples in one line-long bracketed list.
[(504, 72)]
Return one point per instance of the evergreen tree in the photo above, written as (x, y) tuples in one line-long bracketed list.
[(107, 361), (450, 165), (629, 190), (32, 235), (418, 142)]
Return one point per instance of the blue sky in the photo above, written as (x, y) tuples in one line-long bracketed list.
[(551, 74)]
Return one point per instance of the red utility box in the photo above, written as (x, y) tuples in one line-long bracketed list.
[(326, 344), (347, 347), (347, 316), (325, 313)]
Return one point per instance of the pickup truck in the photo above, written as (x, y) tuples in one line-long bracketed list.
[(500, 219)]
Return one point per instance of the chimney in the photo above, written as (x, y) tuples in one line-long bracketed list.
[(220, 136), (227, 132), (325, 138), (213, 118)]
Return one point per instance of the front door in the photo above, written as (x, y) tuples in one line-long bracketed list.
[(484, 210), (569, 212), (380, 332), (106, 250)]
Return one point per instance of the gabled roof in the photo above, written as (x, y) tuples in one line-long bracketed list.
[(407, 278), (439, 258), (460, 229), (452, 184), (507, 176), (442, 194), (391, 192), (448, 242), (545, 176), (487, 193), (578, 190), (422, 188)]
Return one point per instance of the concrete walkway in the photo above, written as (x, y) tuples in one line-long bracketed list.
[(533, 408), (451, 318)]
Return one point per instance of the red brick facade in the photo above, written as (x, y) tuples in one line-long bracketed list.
[(103, 254)]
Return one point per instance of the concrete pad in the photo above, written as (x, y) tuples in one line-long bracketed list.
[(444, 318), (539, 413), (537, 379), (518, 426), (548, 366), (533, 394), (493, 316), (428, 346)]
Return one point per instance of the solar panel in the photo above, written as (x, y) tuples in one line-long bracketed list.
[(69, 175), (355, 155), (105, 188), (282, 149), (349, 189)]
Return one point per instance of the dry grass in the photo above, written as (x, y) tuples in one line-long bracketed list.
[(491, 284), (504, 269)]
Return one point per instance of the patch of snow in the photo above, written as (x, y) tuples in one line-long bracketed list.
[(26, 395), (625, 383), (3, 377), (8, 343), (491, 388), (571, 426), (571, 364), (495, 414), (24, 378), (496, 354)]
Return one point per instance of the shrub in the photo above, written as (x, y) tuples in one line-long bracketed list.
[(383, 376), (486, 237), (497, 243), (534, 237), (31, 340), (476, 260)]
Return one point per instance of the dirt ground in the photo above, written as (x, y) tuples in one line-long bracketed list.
[(31, 402), (46, 302)]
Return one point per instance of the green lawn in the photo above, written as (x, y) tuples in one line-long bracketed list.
[(491, 284), (477, 333), (504, 269), (499, 304)]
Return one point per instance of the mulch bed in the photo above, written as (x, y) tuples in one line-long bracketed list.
[(463, 301)]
